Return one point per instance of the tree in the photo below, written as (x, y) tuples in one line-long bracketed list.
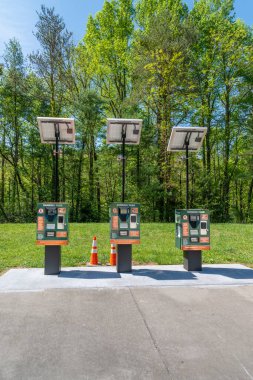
[(52, 64), (106, 47), (217, 59), (12, 131), (160, 75), (147, 59)]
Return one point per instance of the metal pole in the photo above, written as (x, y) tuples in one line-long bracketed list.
[(57, 136), (123, 162), (123, 170), (187, 173)]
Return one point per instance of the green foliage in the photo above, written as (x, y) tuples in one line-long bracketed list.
[(147, 59), (105, 50), (51, 63)]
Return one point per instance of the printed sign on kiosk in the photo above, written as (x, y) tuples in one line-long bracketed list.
[(192, 236), (52, 224), (192, 230), (125, 223)]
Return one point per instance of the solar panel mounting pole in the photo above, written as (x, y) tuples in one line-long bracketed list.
[(189, 139), (55, 131), (57, 137), (187, 168), (124, 127)]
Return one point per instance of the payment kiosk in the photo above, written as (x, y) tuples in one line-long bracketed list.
[(124, 231), (192, 236), (124, 217), (192, 226), (52, 217), (125, 223), (52, 232)]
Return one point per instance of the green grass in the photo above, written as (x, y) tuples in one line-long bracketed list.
[(230, 243)]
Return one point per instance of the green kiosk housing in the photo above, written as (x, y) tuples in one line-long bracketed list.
[(124, 231), (192, 236), (52, 232)]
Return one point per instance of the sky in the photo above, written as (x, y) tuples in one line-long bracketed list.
[(18, 18)]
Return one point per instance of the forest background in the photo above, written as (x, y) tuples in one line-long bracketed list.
[(148, 59)]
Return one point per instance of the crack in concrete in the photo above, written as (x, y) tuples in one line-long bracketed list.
[(155, 344)]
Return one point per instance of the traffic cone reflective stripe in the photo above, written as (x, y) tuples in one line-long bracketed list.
[(113, 254), (94, 252)]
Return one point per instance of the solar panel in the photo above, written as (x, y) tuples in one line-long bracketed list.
[(180, 136), (48, 126), (117, 127)]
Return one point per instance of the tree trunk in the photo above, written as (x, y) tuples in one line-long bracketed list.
[(79, 183), (91, 169), (32, 182), (97, 184), (227, 137), (249, 199)]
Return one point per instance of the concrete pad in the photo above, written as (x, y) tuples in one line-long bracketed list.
[(33, 279)]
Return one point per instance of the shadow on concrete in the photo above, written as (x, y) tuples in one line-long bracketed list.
[(236, 273), (88, 275), (162, 275)]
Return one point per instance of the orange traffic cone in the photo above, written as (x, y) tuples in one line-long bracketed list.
[(113, 254), (94, 252)]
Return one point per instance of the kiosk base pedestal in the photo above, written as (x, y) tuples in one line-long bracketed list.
[(193, 260), (124, 258), (52, 259)]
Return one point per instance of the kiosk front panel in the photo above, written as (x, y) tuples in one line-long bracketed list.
[(192, 230), (52, 224), (125, 223)]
